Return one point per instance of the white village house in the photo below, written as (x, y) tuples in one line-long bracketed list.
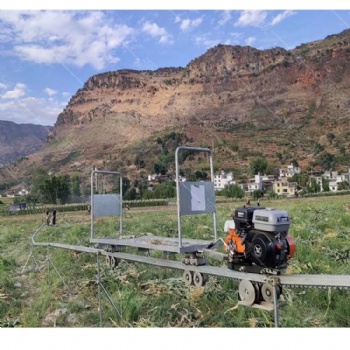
[(290, 171), (334, 179), (255, 183), (222, 180)]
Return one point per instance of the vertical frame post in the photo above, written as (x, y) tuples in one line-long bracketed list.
[(94, 174), (177, 178)]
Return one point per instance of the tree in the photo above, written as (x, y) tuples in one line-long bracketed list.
[(295, 163), (197, 176), (142, 187), (343, 186), (40, 188), (201, 175), (313, 186), (325, 184), (50, 189), (233, 191), (327, 161), (75, 186), (147, 194), (301, 179), (160, 169), (318, 148), (125, 185), (17, 200), (258, 165), (61, 188), (191, 178), (165, 190), (342, 150), (271, 194), (257, 194), (130, 194), (139, 162)]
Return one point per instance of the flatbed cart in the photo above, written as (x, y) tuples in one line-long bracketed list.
[(193, 198)]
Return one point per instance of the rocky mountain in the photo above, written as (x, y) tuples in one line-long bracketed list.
[(241, 101), (20, 140)]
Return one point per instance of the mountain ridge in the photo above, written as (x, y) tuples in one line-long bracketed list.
[(241, 101), (20, 140)]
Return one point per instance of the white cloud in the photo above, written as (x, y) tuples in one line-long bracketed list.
[(67, 37), (17, 92), (253, 18), (236, 35), (66, 94), (206, 42), (250, 40), (155, 31), (188, 24), (225, 17), (50, 92), (144, 64), (281, 16), (31, 110), (3, 86)]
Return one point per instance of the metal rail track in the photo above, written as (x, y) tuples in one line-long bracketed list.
[(249, 282), (297, 280)]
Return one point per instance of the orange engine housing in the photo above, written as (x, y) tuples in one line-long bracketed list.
[(236, 240), (291, 244), (233, 238)]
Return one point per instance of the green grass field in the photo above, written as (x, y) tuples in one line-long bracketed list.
[(6, 200), (148, 296)]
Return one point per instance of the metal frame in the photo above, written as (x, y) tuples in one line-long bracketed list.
[(177, 176), (93, 177)]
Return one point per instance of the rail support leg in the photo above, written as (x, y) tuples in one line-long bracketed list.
[(275, 281), (99, 288), (31, 255)]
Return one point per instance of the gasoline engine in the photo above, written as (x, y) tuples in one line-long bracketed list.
[(258, 240)]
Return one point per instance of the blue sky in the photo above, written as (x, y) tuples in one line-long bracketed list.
[(46, 56)]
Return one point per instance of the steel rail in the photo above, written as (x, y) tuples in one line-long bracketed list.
[(316, 281)]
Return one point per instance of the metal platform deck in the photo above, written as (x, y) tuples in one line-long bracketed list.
[(166, 244)]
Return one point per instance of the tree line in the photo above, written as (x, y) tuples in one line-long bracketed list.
[(52, 189)]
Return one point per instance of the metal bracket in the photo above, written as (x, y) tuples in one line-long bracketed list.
[(274, 281)]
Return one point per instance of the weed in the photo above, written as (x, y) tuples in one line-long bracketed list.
[(148, 296)]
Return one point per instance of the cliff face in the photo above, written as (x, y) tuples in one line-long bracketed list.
[(242, 101), (20, 140)]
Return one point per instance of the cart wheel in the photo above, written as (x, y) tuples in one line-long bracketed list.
[(188, 277), (267, 292), (114, 262), (199, 279), (247, 292)]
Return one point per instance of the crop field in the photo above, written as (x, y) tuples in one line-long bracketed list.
[(50, 287)]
